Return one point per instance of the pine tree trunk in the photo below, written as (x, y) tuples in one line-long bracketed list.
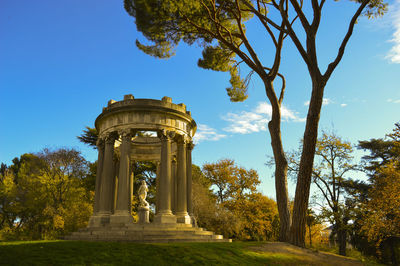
[(342, 240), (281, 168), (297, 230)]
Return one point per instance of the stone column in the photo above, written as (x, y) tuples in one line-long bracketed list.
[(189, 149), (181, 212), (158, 176), (123, 204), (164, 214), (107, 178), (115, 182), (96, 220), (173, 186), (100, 148), (131, 181)]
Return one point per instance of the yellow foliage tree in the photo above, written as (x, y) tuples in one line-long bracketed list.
[(238, 209), (45, 195), (382, 219)]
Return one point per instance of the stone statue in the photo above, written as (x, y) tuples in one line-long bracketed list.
[(142, 193)]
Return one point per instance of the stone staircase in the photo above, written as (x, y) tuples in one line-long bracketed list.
[(147, 233)]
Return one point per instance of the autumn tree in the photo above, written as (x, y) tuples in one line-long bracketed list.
[(230, 180), (332, 165), (240, 211), (8, 208), (43, 196), (219, 28), (258, 216), (381, 219), (207, 210), (14, 206), (378, 220)]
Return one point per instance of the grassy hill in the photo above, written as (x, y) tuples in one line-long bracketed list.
[(117, 253)]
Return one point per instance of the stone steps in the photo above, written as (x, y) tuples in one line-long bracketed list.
[(147, 233), (150, 240)]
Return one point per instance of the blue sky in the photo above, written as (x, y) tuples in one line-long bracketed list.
[(60, 62)]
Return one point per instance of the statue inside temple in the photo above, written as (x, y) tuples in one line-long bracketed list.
[(142, 193)]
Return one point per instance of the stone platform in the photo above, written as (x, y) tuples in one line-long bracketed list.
[(147, 233)]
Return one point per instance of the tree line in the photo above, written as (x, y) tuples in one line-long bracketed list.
[(50, 194)]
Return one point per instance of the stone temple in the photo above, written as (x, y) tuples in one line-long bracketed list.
[(119, 144)]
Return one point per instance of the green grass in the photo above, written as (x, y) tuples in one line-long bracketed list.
[(114, 253), (117, 253)]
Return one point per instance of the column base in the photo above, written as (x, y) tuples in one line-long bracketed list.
[(121, 218), (98, 220), (165, 218), (183, 218)]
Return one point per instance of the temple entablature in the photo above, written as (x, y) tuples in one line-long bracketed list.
[(141, 115)]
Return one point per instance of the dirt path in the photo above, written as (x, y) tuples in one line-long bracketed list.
[(307, 256)]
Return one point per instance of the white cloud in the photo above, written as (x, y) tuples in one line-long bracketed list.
[(394, 53), (289, 115), (343, 104), (264, 108), (325, 101), (246, 122), (205, 132), (393, 101), (257, 120)]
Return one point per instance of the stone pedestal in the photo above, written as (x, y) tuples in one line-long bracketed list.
[(121, 218), (165, 218), (143, 213), (183, 218), (98, 220)]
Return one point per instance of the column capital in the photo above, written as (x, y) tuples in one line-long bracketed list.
[(110, 138), (166, 135), (100, 143), (190, 145), (126, 134), (181, 139)]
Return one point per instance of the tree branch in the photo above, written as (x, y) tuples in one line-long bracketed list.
[(316, 175), (333, 65), (291, 32), (324, 194), (246, 42), (219, 37), (299, 12), (283, 85)]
